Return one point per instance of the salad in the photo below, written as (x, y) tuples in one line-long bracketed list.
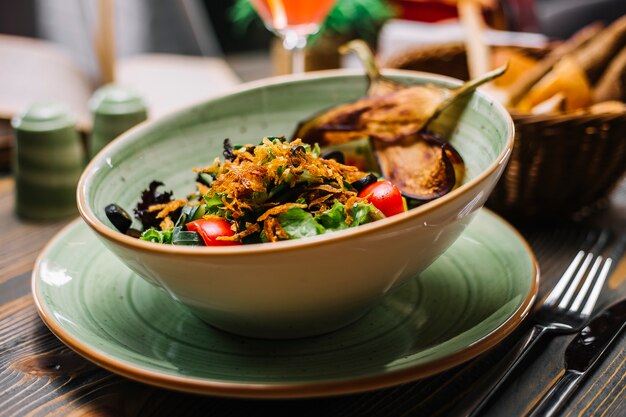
[(276, 190)]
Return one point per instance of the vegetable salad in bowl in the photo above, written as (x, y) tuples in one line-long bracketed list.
[(323, 220), (277, 190)]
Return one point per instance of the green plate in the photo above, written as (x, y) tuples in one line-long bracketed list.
[(467, 301)]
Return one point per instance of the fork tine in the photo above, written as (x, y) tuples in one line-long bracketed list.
[(575, 283), (560, 287), (582, 293), (616, 254), (595, 292), (571, 289)]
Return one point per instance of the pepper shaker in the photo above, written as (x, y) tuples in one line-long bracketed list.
[(47, 163), (115, 109)]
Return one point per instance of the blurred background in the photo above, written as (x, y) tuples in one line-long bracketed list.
[(176, 52), (230, 27)]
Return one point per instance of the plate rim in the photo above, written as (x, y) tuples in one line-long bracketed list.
[(338, 386)]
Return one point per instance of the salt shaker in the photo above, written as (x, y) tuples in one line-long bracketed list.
[(115, 109), (48, 160)]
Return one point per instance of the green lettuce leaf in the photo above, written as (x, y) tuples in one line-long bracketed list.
[(299, 223), (361, 214), (333, 218), (213, 203), (157, 236)]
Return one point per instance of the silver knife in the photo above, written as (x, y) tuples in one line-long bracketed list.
[(581, 356)]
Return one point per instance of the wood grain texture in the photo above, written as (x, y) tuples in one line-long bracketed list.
[(23, 240), (39, 376)]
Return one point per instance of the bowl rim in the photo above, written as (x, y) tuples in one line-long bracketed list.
[(101, 158)]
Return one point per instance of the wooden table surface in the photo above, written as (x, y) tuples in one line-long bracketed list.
[(39, 376)]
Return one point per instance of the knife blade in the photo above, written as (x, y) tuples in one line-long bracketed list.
[(581, 356)]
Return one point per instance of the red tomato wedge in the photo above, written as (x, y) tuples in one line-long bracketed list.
[(385, 196), (211, 229)]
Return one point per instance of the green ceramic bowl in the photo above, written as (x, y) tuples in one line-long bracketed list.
[(291, 288)]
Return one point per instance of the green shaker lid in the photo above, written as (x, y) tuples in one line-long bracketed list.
[(43, 117), (114, 99)]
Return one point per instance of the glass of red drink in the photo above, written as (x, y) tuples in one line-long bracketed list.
[(294, 21)]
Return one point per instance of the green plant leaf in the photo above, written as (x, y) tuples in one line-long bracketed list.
[(358, 18)]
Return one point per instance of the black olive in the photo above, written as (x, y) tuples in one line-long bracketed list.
[(133, 233), (228, 152), (119, 217), (288, 194), (298, 150), (364, 182), (336, 155)]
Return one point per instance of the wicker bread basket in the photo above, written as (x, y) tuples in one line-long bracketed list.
[(561, 165)]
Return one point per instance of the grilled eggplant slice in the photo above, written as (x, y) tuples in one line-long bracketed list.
[(395, 118), (424, 167), (387, 118), (389, 112)]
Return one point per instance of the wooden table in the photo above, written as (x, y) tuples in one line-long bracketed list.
[(39, 376)]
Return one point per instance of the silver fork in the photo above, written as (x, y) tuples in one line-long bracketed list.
[(566, 309)]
